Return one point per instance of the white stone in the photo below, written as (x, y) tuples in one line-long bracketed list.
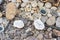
[(25, 1), (18, 24), (17, 4), (23, 4), (1, 20), (58, 22), (13, 0), (49, 15), (34, 4), (38, 24), (40, 4), (48, 5), (54, 8), (1, 1)]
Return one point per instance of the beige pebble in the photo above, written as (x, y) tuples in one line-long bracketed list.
[(51, 21), (34, 4), (19, 0), (10, 11), (0, 14)]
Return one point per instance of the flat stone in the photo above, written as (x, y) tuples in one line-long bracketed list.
[(51, 21), (18, 24), (48, 5), (58, 22), (10, 10), (38, 24)]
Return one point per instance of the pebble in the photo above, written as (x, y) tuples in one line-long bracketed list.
[(40, 4), (51, 21), (19, 1), (18, 24), (48, 5), (1, 20), (1, 1), (10, 10), (49, 15), (38, 24), (54, 8), (44, 0), (58, 22), (31, 38), (34, 4), (25, 1), (40, 36), (1, 28), (23, 4), (0, 14), (13, 0), (58, 12)]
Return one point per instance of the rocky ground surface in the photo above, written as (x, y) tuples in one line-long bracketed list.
[(29, 19)]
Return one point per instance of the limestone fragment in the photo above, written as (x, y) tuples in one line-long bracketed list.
[(18, 24), (38, 24), (51, 21), (10, 10)]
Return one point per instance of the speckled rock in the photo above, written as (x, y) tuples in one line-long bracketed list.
[(58, 22), (10, 10), (51, 21), (38, 24)]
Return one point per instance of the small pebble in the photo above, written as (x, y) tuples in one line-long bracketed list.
[(1, 28), (48, 5), (18, 24), (58, 22), (23, 4), (51, 21), (25, 1), (38, 24), (54, 8), (58, 12)]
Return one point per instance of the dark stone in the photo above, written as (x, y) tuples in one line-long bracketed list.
[(43, 11)]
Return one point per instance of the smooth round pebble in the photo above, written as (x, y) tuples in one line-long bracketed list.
[(58, 22), (38, 24), (18, 24), (51, 20), (48, 5)]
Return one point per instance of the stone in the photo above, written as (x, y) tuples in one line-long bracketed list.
[(25, 1), (48, 5), (18, 24), (19, 1), (40, 36), (13, 0), (58, 12), (40, 4), (34, 4), (1, 20), (31, 38), (10, 10), (49, 15), (58, 22), (38, 24), (51, 21), (23, 4), (0, 14), (1, 28), (54, 8), (1, 1)]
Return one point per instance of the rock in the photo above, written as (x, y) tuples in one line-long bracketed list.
[(23, 4), (34, 4), (44, 18), (0, 14), (48, 5), (58, 12), (13, 0), (10, 10), (1, 28), (25, 1), (51, 21), (40, 36), (1, 20), (54, 8), (31, 38), (58, 22), (19, 1), (38, 24), (18, 24), (1, 1)]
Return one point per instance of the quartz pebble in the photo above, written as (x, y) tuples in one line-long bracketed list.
[(51, 21), (38, 24), (18, 24), (48, 5), (54, 8), (58, 22), (10, 10)]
